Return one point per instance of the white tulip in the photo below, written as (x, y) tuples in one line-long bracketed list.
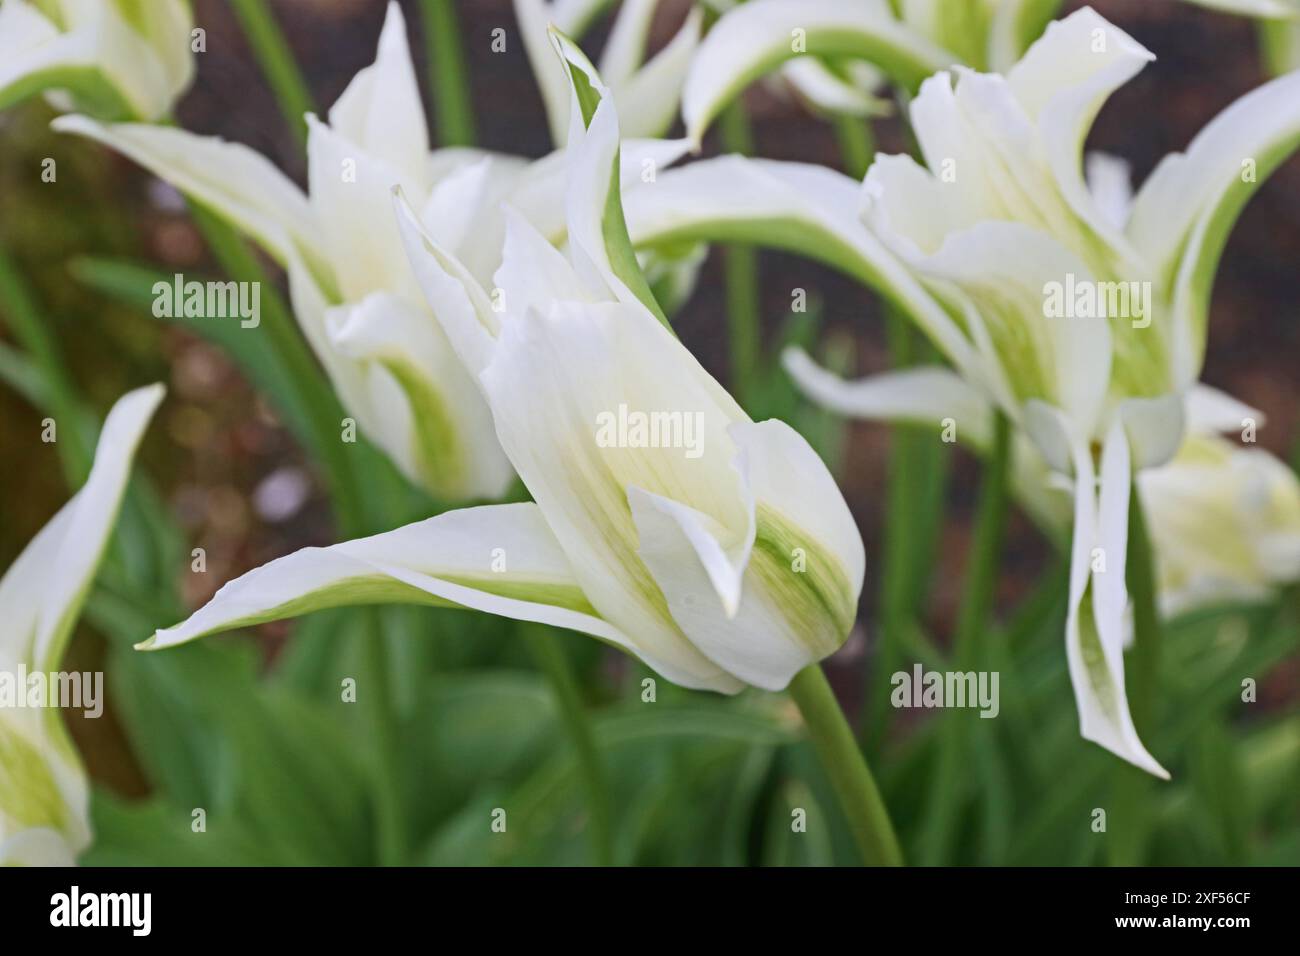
[(1225, 521), (353, 292), (1224, 518), (118, 59), (44, 814), (974, 246), (721, 554), (824, 47)]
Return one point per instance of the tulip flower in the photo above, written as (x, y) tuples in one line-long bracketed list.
[(647, 93), (353, 293), (827, 41), (721, 554), (44, 817), (117, 59), (664, 521), (994, 250), (1225, 517)]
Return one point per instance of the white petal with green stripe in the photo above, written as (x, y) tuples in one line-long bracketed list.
[(43, 791)]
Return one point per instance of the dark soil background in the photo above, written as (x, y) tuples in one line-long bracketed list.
[(215, 446)]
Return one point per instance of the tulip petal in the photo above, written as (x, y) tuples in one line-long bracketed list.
[(380, 111), (786, 594), (350, 195), (831, 93), (799, 207), (1210, 410), (626, 46), (497, 558), (43, 791), (755, 37), (647, 101), (500, 559), (600, 248), (1155, 427), (1095, 622), (458, 302), (928, 396), (533, 17), (103, 64), (924, 395), (1185, 210), (1250, 8), (1062, 82), (1111, 183), (232, 180), (38, 605), (440, 432), (560, 386), (1006, 270), (36, 846)]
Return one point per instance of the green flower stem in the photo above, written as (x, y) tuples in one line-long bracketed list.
[(857, 144), (740, 268), (550, 656), (448, 78), (971, 640), (849, 775), (36, 335), (277, 63), (914, 504), (390, 817)]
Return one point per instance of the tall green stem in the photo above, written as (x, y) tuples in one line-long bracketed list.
[(740, 268), (857, 144), (971, 639), (390, 830), (555, 665), (849, 775), (448, 78), (277, 63)]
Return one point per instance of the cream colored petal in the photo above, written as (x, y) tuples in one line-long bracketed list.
[(232, 180), (1094, 624), (459, 304), (501, 559), (560, 386), (1185, 210), (351, 198), (922, 395), (444, 440), (798, 207), (380, 111), (648, 100)]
